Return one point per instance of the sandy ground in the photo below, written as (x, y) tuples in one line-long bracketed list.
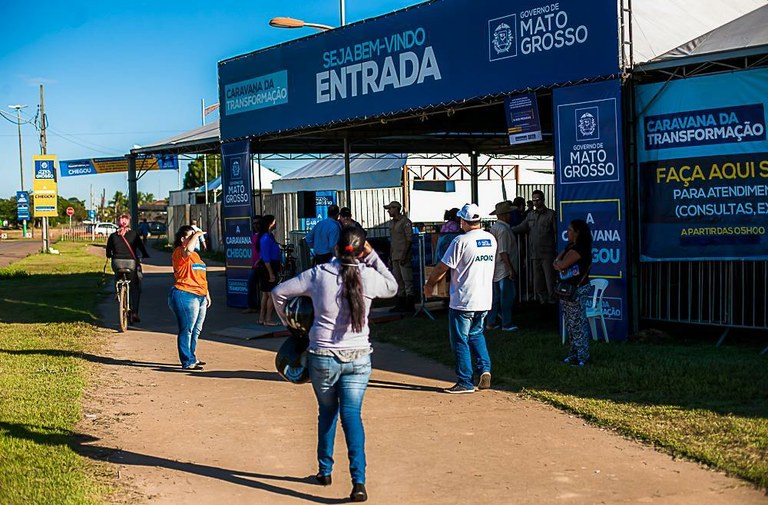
[(236, 433)]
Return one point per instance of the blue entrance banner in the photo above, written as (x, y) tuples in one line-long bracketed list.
[(590, 186), (323, 200), (92, 166), (523, 123), (236, 202), (431, 54), (703, 168), (22, 206)]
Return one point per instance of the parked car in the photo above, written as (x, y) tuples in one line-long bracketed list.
[(104, 229), (157, 228)]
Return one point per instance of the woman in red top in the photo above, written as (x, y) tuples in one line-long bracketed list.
[(189, 298)]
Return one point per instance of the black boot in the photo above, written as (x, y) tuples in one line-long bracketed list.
[(358, 492)]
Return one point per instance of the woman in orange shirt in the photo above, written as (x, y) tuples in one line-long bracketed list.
[(189, 298)]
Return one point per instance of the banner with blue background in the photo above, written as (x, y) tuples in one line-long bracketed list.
[(703, 167), (589, 179), (236, 209), (430, 54)]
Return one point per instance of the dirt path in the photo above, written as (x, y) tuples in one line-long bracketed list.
[(238, 434)]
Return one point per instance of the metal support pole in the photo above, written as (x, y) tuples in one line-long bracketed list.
[(347, 175), (133, 200), (422, 272), (473, 174), (261, 195), (342, 11), (205, 158)]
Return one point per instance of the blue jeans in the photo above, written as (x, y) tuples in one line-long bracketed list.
[(466, 334), (190, 310), (504, 294), (340, 387)]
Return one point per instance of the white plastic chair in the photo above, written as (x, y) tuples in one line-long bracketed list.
[(596, 310)]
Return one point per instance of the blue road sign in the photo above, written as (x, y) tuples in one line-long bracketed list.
[(22, 205)]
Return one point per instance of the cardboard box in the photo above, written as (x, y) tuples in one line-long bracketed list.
[(442, 288)]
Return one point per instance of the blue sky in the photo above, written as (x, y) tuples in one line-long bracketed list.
[(118, 74)]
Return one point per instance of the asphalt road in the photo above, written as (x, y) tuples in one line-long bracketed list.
[(14, 250)]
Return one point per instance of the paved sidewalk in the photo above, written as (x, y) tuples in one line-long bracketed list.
[(236, 433)]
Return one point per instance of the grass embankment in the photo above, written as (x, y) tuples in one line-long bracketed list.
[(47, 305), (691, 399)]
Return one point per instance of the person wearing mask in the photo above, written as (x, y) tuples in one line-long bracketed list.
[(574, 264), (470, 257), (339, 357), (200, 245), (541, 226), (123, 245), (269, 268), (189, 298), (253, 278), (401, 238), (323, 237), (345, 218), (505, 270)]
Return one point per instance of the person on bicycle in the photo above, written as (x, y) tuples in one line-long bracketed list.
[(269, 268), (339, 358), (189, 298), (122, 246)]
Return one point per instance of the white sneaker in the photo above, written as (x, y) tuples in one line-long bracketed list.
[(485, 381)]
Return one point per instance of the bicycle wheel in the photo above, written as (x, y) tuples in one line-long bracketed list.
[(122, 307)]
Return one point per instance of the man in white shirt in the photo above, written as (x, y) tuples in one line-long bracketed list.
[(471, 257), (505, 273)]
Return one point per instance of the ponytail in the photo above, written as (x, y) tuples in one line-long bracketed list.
[(351, 243)]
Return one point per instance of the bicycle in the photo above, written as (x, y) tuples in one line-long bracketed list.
[(288, 267), (124, 271)]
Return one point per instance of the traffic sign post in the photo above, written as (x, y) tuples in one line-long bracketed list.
[(70, 213), (22, 210)]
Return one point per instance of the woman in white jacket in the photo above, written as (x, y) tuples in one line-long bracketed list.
[(339, 348)]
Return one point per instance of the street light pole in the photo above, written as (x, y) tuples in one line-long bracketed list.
[(21, 156), (21, 159)]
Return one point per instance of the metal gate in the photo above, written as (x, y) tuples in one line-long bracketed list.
[(732, 294)]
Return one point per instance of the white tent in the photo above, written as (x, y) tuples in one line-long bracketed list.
[(328, 174), (661, 25)]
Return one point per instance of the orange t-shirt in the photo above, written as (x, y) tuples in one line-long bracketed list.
[(189, 272)]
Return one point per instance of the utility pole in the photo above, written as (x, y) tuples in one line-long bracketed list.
[(21, 158), (44, 150)]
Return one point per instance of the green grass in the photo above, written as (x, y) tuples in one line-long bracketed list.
[(694, 400), (45, 341)]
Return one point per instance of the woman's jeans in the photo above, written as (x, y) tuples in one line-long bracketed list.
[(190, 310), (340, 387), (465, 329), (504, 294)]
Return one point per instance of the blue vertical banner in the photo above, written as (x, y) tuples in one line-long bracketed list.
[(236, 209), (22, 206), (523, 124), (589, 181)]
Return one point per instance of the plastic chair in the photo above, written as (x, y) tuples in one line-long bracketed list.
[(596, 310)]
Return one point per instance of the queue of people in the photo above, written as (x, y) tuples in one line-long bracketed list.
[(483, 269)]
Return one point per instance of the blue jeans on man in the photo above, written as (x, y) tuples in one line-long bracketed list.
[(504, 294), (190, 310), (465, 329), (339, 388)]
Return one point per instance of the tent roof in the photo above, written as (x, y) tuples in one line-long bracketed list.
[(334, 165), (200, 139), (328, 174), (743, 36)]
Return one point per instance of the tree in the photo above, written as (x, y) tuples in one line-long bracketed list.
[(194, 176), (117, 205), (8, 210), (145, 198)]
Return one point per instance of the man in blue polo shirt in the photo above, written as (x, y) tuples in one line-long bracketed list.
[(324, 236)]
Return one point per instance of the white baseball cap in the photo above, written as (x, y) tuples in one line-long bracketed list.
[(469, 213)]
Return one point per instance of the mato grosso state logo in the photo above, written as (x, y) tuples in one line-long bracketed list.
[(502, 36), (587, 124)]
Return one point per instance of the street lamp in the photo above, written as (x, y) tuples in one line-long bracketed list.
[(21, 157), (285, 22)]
